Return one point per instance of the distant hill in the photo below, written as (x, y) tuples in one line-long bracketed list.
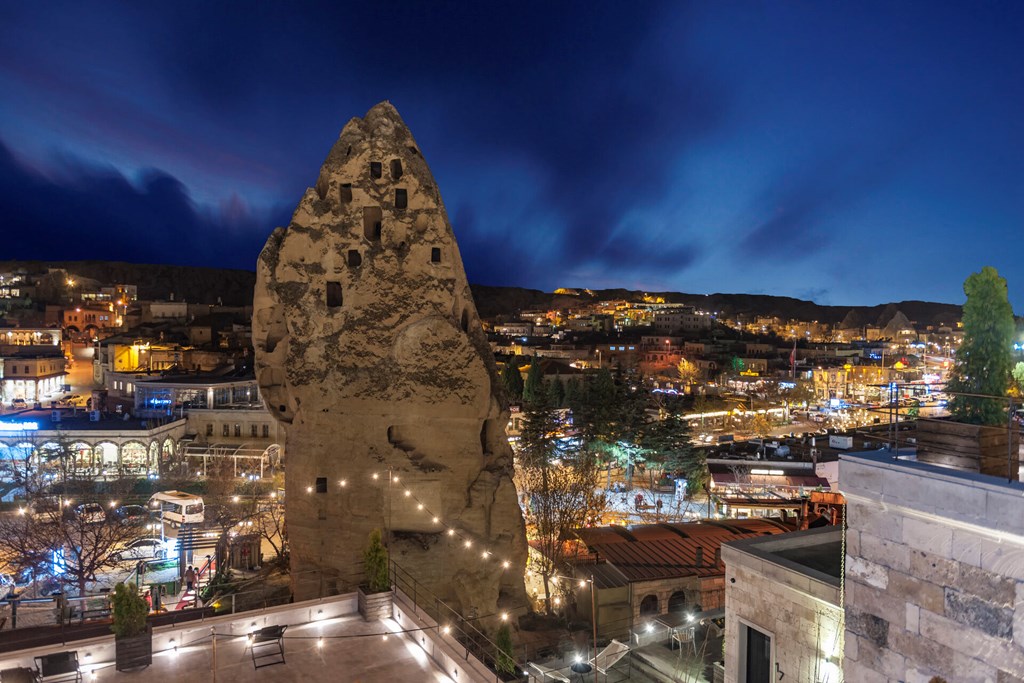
[(493, 301), (187, 283), (235, 287)]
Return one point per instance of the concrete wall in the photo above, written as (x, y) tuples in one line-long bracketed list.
[(934, 573), (797, 607)]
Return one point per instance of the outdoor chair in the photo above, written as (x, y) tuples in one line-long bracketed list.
[(685, 637), (59, 666), (18, 674), (267, 646), (549, 673), (609, 656)]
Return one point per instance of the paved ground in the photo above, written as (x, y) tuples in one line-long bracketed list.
[(352, 651)]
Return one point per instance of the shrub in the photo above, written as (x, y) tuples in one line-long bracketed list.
[(130, 610), (375, 563)]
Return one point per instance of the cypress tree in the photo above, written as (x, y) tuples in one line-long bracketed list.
[(983, 361), (533, 388)]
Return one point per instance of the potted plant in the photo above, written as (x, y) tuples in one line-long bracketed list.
[(978, 435), (375, 595), (504, 664), (133, 636)]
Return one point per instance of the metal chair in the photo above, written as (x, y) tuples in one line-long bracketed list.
[(267, 644)]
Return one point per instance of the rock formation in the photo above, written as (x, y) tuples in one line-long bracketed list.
[(370, 351)]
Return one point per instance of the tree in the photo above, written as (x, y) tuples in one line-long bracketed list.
[(695, 470), (688, 372), (983, 361), (534, 385), (555, 393), (512, 380), (69, 546), (557, 480), (1018, 377), (666, 441), (504, 661), (375, 564), (270, 524), (129, 612)]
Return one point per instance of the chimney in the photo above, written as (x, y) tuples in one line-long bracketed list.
[(718, 556), (700, 557)]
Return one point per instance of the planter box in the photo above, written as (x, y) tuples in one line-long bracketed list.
[(375, 606), (718, 672), (975, 448), (135, 652)]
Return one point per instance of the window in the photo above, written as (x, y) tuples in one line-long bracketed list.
[(372, 217), (209, 430), (435, 255), (649, 605), (354, 258), (252, 430), (345, 193), (396, 169), (238, 430), (755, 655), (334, 297), (401, 199), (266, 431), (321, 484), (375, 169), (225, 430)]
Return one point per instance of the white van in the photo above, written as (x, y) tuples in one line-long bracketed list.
[(177, 507)]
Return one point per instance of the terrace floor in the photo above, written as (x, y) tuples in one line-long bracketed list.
[(316, 648)]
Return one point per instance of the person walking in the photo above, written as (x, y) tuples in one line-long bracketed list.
[(190, 578)]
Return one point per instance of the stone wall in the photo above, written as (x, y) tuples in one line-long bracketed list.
[(796, 606), (934, 573)]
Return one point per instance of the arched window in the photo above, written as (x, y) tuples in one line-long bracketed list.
[(649, 605), (677, 602)]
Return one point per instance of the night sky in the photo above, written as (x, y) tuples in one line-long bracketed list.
[(845, 152)]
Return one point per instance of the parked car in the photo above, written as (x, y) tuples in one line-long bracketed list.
[(135, 515), (45, 510), (91, 513), (19, 403), (141, 549)]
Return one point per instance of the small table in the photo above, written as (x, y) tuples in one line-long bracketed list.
[(581, 668)]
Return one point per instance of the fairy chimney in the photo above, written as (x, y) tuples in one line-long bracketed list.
[(370, 352)]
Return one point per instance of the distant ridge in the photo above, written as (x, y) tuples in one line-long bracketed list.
[(235, 287)]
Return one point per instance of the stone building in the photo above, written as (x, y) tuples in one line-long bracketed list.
[(648, 570), (934, 573), (783, 618), (369, 350)]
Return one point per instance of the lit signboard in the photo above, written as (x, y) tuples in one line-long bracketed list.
[(19, 426)]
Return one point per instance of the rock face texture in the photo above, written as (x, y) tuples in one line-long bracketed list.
[(370, 351)]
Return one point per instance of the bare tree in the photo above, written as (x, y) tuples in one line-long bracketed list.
[(71, 547)]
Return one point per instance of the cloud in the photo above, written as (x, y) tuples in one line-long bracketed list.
[(795, 208), (93, 212)]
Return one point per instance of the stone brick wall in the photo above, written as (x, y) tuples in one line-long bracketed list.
[(934, 573), (797, 607)]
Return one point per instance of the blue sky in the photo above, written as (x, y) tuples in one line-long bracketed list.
[(849, 153)]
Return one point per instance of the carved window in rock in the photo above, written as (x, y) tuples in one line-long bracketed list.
[(376, 170), (334, 297), (354, 258), (372, 217), (345, 193), (435, 254), (465, 321), (396, 169), (321, 484), (401, 199)]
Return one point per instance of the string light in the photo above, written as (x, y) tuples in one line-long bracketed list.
[(421, 507)]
